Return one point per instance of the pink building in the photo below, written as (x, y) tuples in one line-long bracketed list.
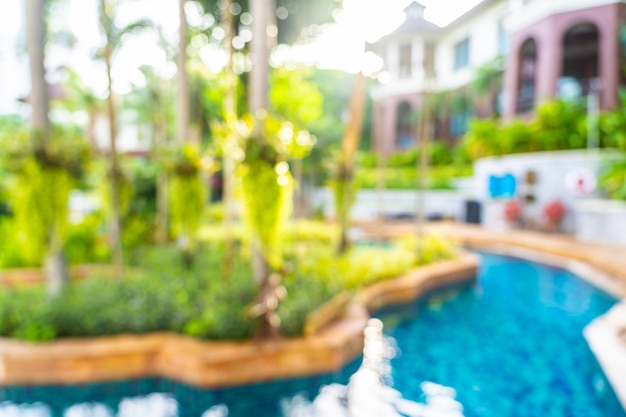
[(550, 49)]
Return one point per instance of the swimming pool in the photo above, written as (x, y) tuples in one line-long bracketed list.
[(510, 345)]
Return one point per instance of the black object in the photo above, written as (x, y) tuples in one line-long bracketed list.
[(473, 211)]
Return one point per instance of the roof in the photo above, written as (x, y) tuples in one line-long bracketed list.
[(415, 22), (472, 12)]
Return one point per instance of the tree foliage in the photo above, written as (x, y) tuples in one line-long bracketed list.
[(44, 173), (292, 15)]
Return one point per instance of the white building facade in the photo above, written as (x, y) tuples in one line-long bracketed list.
[(541, 47)]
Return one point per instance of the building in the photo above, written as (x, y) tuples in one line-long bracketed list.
[(548, 49)]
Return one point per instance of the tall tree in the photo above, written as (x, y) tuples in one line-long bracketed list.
[(230, 116), (35, 41), (259, 99), (182, 102), (150, 104), (289, 16), (54, 262), (344, 183), (113, 40)]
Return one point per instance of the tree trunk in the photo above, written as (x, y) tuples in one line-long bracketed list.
[(425, 133), (161, 235), (116, 228), (35, 42), (160, 140), (55, 268), (259, 47), (349, 145), (182, 109), (54, 263), (259, 76), (230, 116)]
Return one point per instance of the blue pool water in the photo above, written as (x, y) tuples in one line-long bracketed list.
[(510, 345)]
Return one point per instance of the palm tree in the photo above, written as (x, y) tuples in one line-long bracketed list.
[(113, 40), (488, 82), (150, 103), (79, 97), (344, 187)]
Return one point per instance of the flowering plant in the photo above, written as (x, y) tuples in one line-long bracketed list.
[(554, 211), (512, 211)]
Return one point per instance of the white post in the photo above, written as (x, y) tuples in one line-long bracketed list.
[(593, 109)]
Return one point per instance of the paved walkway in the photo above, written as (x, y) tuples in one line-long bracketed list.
[(562, 250)]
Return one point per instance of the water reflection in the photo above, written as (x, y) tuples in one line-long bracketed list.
[(369, 394), (153, 405)]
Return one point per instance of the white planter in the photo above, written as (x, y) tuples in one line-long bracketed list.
[(601, 221), (395, 203)]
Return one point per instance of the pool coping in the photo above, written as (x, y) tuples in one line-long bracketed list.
[(333, 341)]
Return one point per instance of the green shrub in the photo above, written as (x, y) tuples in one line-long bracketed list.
[(403, 159), (160, 294), (86, 241), (612, 180), (14, 250), (556, 125), (439, 177)]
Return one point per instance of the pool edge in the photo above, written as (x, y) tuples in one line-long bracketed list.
[(207, 364)]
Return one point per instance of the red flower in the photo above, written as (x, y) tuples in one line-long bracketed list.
[(554, 211)]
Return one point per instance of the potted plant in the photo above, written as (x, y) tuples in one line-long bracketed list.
[(554, 211), (512, 212)]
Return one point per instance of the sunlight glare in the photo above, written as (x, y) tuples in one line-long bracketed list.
[(443, 13), (10, 18)]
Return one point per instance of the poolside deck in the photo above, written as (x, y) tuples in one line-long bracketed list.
[(603, 264)]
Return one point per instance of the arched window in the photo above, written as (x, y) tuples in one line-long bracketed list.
[(580, 60), (405, 125), (527, 74)]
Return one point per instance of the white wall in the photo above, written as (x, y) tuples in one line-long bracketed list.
[(482, 29), (601, 221), (551, 169), (392, 58), (450, 204), (523, 15)]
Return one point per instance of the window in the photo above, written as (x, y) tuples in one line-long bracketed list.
[(461, 54), (503, 39), (405, 125), (406, 60), (459, 122), (429, 59), (526, 76)]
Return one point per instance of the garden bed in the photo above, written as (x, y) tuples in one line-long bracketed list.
[(335, 341)]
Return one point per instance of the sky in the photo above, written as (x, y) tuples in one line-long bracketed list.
[(340, 45)]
